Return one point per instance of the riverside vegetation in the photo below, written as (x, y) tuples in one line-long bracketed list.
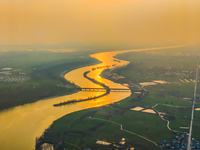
[(45, 70), (89, 98)]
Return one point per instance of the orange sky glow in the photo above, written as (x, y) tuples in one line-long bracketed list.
[(94, 21)]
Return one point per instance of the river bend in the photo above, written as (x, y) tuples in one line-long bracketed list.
[(20, 126)]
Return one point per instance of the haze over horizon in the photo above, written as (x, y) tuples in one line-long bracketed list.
[(105, 21)]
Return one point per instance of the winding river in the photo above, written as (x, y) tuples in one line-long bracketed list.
[(20, 126)]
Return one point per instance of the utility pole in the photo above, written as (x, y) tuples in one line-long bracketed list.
[(193, 107)]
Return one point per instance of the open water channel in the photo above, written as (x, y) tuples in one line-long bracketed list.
[(20, 126)]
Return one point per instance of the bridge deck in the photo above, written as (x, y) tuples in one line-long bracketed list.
[(104, 89)]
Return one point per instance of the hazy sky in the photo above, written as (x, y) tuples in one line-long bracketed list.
[(99, 21)]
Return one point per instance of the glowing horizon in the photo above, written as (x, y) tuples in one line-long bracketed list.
[(89, 21)]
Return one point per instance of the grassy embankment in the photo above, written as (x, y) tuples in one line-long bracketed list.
[(149, 66), (81, 130), (44, 69), (144, 67)]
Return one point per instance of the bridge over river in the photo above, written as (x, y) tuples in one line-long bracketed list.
[(110, 89)]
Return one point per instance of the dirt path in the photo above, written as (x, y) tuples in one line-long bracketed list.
[(126, 130)]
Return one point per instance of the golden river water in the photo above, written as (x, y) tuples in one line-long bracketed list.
[(20, 126)]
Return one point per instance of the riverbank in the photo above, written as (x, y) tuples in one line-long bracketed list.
[(45, 83), (107, 91), (111, 74), (143, 129), (91, 130), (86, 127)]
